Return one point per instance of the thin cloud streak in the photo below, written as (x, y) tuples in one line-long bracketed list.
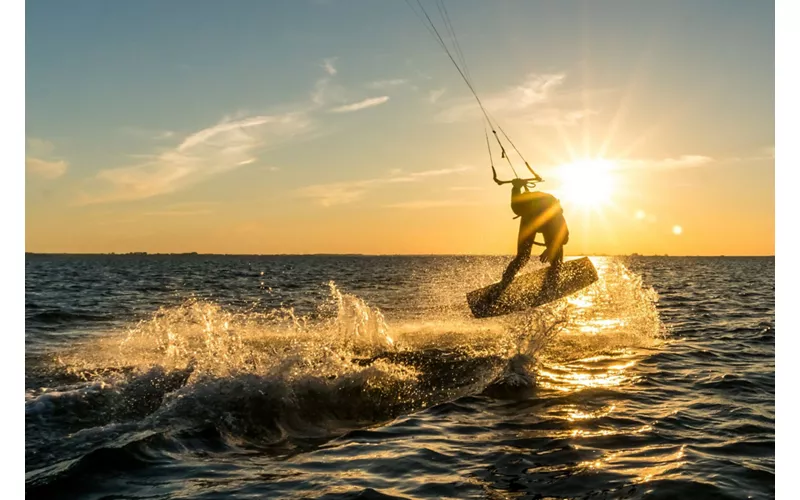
[(149, 134), (435, 95), (684, 161), (204, 154), (341, 193), (384, 84), (358, 106), (538, 101), (534, 90), (327, 64), (324, 90), (45, 169), (692, 161), (35, 164)]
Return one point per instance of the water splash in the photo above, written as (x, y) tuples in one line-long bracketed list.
[(208, 341), (618, 312), (358, 324), (259, 375), (272, 376)]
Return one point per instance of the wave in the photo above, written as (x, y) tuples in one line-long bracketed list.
[(60, 317), (280, 381)]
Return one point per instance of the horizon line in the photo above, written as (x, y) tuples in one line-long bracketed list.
[(316, 254)]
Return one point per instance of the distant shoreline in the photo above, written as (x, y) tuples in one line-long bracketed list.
[(196, 254)]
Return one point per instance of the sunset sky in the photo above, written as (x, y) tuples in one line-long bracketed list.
[(332, 126)]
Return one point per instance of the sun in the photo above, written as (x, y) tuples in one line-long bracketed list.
[(587, 183)]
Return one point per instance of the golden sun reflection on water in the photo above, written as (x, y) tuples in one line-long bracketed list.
[(585, 433), (587, 374), (668, 463), (597, 348), (577, 414), (586, 304), (612, 327), (569, 379)]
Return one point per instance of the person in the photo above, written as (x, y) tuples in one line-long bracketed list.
[(539, 213)]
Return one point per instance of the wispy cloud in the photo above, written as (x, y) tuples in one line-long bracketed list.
[(435, 95), (322, 91), (684, 161), (204, 154), (327, 93), (327, 64), (524, 101), (45, 169), (357, 106), (36, 151), (385, 84), (694, 161), (232, 143), (439, 172), (340, 193), (139, 132)]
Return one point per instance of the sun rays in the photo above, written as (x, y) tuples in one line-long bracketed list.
[(588, 184)]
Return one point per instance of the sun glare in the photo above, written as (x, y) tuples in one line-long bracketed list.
[(587, 183)]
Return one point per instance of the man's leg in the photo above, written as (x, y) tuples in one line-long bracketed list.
[(555, 237), (524, 245)]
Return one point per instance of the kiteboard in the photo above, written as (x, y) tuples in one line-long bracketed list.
[(532, 289)]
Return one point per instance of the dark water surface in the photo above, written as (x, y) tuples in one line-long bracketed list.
[(366, 377)]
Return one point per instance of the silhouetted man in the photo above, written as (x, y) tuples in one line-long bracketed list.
[(539, 213)]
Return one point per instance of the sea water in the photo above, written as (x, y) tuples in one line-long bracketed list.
[(366, 377)]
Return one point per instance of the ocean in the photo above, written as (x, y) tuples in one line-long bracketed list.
[(345, 377)]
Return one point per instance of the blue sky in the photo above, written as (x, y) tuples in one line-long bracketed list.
[(212, 116)]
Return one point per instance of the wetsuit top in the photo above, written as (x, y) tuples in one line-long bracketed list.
[(532, 204)]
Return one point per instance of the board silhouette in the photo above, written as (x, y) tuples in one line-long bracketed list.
[(532, 289)]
